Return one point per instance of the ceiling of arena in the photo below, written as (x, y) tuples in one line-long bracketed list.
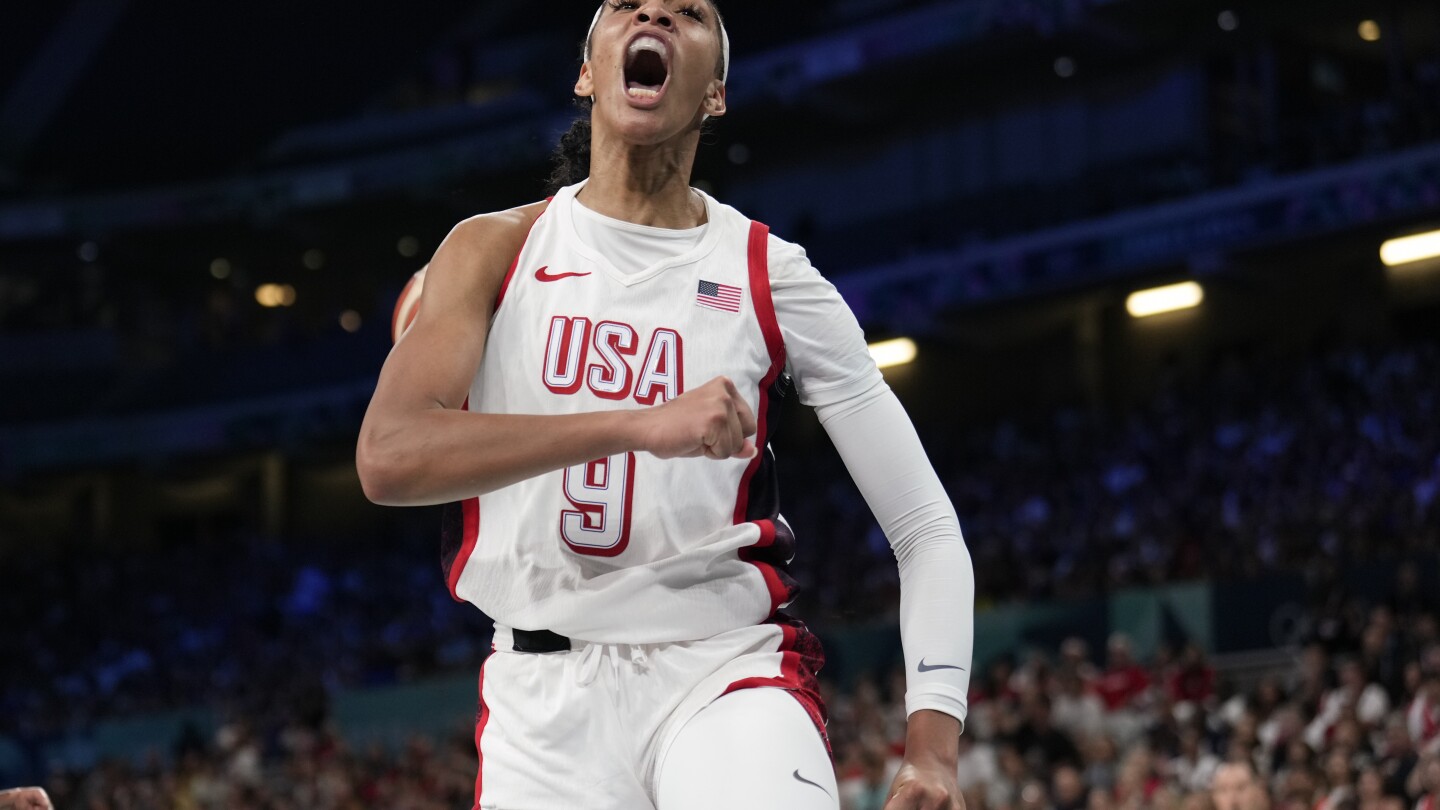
[(107, 93)]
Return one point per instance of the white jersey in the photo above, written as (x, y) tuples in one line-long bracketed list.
[(633, 549)]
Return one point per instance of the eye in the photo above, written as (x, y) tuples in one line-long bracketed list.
[(694, 12), (621, 6)]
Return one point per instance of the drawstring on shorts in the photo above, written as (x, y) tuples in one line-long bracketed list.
[(589, 664)]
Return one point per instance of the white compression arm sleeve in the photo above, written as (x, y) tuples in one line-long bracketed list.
[(878, 443)]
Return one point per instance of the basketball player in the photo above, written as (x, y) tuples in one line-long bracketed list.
[(592, 381)]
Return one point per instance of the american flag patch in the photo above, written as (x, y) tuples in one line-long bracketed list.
[(718, 296)]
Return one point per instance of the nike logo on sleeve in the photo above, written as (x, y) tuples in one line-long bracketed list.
[(924, 667)]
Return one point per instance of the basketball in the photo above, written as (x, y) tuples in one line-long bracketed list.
[(407, 306)]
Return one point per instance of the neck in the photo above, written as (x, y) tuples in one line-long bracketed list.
[(646, 185)]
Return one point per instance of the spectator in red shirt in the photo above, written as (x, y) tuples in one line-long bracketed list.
[(1193, 680), (1124, 683)]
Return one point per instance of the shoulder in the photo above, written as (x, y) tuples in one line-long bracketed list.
[(788, 264), (791, 269), (779, 251), (495, 231), (787, 254), (479, 250)]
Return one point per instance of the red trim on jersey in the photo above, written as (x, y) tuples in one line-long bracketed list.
[(769, 327), (773, 585), (760, 295), (759, 260), (469, 535), (795, 677), (480, 721), (505, 285), (509, 274)]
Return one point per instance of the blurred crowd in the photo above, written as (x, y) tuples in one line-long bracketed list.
[(1347, 722), (257, 630), (306, 769), (1351, 723), (1261, 466)]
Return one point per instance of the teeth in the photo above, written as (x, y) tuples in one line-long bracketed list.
[(642, 92), (649, 43)]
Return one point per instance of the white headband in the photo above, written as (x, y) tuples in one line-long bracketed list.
[(724, 43)]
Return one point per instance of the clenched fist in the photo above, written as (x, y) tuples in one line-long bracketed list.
[(712, 421)]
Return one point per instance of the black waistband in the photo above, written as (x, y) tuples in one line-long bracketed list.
[(539, 641)]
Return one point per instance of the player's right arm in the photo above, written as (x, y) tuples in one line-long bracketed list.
[(418, 447)]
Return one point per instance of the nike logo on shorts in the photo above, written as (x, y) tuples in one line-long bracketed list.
[(808, 782), (924, 667), (544, 274)]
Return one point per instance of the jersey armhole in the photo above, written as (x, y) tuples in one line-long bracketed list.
[(759, 267), (505, 283), (761, 298)]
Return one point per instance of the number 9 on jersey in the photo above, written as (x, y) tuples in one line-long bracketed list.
[(599, 491)]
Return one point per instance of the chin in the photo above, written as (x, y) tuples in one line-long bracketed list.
[(652, 127)]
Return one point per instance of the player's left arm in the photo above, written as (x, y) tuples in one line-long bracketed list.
[(878, 443)]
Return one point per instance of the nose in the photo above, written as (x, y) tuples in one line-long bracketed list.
[(656, 13)]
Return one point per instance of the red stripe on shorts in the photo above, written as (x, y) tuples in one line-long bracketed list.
[(480, 722), (801, 657)]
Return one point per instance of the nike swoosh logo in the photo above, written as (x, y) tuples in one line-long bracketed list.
[(924, 667), (544, 274), (808, 782)]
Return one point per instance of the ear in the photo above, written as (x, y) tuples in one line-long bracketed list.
[(714, 104), (585, 85)]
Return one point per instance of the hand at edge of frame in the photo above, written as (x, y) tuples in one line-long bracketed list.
[(25, 798), (927, 779)]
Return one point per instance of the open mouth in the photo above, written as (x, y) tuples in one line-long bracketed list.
[(647, 67)]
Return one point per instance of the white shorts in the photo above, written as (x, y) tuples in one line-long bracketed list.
[(591, 727)]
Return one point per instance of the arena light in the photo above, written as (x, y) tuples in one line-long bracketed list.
[(1407, 249), (897, 352), (275, 295), (1171, 297)]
